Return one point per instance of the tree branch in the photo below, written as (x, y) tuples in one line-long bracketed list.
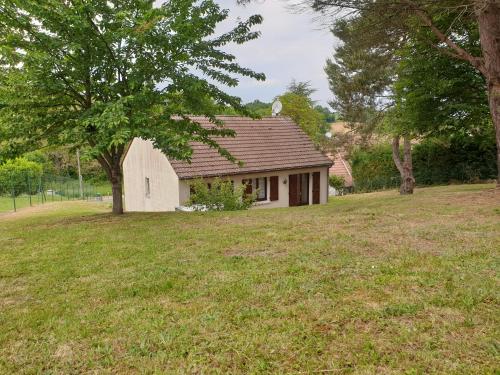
[(460, 53), (122, 76)]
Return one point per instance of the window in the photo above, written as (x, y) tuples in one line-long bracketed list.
[(256, 184), (261, 187), (148, 188)]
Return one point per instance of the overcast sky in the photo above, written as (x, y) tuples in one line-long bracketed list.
[(292, 45)]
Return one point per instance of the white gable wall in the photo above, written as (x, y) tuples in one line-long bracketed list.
[(144, 161)]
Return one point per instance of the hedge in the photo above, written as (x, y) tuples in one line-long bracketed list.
[(20, 176), (460, 159)]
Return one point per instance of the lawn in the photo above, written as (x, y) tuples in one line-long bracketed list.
[(22, 201), (7, 203), (370, 283), (102, 188)]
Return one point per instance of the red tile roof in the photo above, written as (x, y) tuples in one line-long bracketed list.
[(268, 144), (342, 168)]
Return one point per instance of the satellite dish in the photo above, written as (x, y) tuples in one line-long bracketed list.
[(277, 107)]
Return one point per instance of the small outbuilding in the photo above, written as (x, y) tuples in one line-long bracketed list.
[(280, 162)]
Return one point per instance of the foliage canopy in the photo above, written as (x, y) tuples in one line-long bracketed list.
[(20, 175), (100, 73)]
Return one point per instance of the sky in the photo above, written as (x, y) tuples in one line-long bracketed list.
[(292, 45)]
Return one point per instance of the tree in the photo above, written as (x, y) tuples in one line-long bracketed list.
[(328, 114), (297, 105), (434, 96), (361, 74), (18, 176), (98, 74), (259, 108), (300, 110), (406, 84), (442, 21), (304, 89), (361, 78), (404, 166)]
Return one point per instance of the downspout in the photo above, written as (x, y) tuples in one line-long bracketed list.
[(328, 183)]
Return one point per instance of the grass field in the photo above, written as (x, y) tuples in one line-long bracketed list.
[(7, 205), (22, 201), (371, 283), (102, 188)]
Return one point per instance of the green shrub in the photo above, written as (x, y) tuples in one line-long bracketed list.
[(374, 169), (336, 182), (463, 159), (20, 176), (221, 195), (460, 159)]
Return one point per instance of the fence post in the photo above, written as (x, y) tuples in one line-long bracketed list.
[(40, 191), (42, 186), (29, 189), (14, 199)]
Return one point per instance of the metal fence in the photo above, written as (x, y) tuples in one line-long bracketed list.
[(29, 190), (374, 184)]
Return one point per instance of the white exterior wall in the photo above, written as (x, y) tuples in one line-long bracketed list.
[(143, 160), (283, 187)]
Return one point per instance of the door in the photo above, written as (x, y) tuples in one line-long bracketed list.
[(304, 189), (298, 189), (293, 190), (316, 187), (274, 188)]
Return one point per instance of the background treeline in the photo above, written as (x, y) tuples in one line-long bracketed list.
[(396, 79), (23, 174), (435, 161)]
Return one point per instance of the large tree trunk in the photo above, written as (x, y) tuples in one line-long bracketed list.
[(405, 167), (488, 15), (111, 164), (116, 188), (494, 100)]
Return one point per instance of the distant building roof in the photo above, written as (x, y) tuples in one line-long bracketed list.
[(341, 168), (268, 144)]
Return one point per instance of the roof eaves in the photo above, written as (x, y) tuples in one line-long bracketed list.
[(254, 171)]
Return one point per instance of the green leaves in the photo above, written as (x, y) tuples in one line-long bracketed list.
[(19, 176), (103, 72), (219, 195), (436, 94), (300, 109)]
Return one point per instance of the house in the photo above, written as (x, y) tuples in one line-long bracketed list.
[(279, 162), (340, 165), (341, 168)]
